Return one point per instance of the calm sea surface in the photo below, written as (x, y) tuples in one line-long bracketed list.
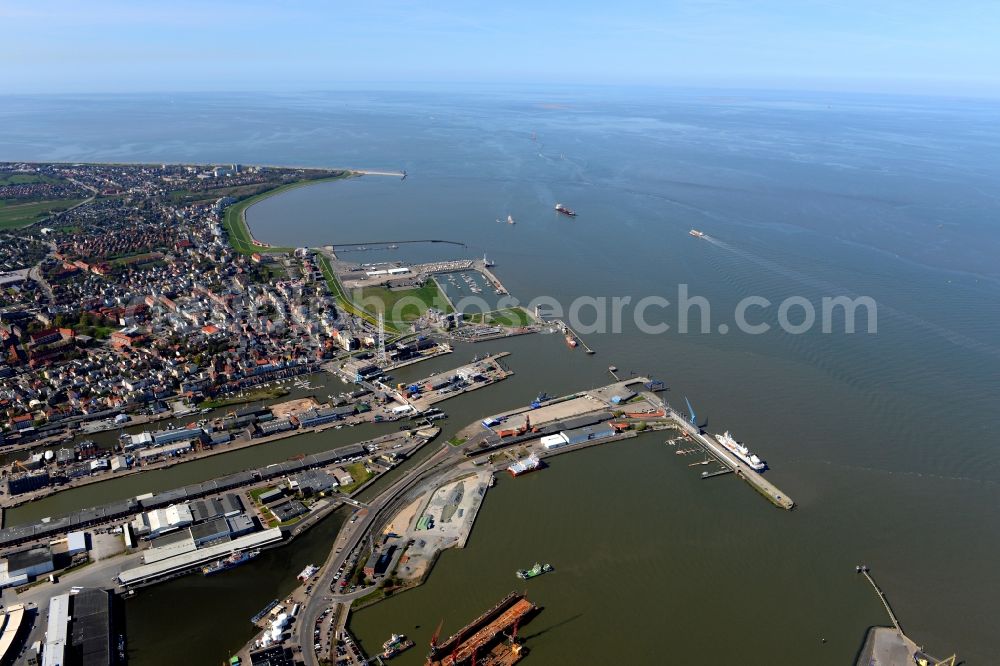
[(886, 441)]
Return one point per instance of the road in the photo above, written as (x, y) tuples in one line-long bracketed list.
[(354, 535)]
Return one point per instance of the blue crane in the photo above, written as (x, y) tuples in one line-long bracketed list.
[(693, 418)]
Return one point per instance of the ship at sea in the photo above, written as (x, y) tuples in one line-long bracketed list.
[(397, 643), (564, 210), (741, 451), (529, 464), (537, 570), (231, 562), (510, 220), (696, 233)]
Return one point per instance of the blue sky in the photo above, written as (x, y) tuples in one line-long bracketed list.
[(912, 46)]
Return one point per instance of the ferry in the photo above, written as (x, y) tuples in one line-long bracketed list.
[(696, 233), (741, 452), (571, 341), (529, 464), (396, 644), (564, 210), (231, 562), (537, 570)]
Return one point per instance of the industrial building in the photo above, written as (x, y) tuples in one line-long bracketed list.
[(17, 534), (159, 521), (177, 564), (12, 631), (25, 483), (23, 567), (80, 630), (207, 509), (312, 482), (163, 437), (288, 510), (343, 477)]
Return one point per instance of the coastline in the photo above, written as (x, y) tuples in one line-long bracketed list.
[(234, 218)]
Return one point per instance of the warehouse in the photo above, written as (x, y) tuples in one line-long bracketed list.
[(288, 510), (90, 628), (209, 532), (580, 435), (20, 568), (148, 573), (274, 427), (207, 509)]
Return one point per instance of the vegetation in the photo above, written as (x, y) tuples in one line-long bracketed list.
[(253, 396), (27, 179), (512, 317), (346, 304), (360, 475), (457, 441), (13, 214), (406, 304), (234, 219)]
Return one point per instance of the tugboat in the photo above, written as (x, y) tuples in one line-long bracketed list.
[(396, 644), (537, 570)]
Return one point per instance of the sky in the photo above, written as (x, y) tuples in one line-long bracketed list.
[(898, 46)]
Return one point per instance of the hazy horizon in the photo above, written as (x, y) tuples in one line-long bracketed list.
[(919, 48)]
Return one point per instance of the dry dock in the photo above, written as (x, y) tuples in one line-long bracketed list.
[(483, 633)]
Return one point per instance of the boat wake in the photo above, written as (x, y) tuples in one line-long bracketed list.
[(829, 288)]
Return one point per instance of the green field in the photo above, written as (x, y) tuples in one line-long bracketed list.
[(512, 317), (404, 305), (14, 215), (235, 223), (27, 179), (356, 470)]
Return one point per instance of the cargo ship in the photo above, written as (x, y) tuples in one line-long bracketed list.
[(397, 643), (231, 562), (537, 570), (696, 233), (529, 464), (741, 451), (571, 341), (564, 210)]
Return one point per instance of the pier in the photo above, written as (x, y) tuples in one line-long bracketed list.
[(777, 497), (889, 646)]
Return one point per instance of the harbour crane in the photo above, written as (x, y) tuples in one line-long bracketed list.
[(691, 414)]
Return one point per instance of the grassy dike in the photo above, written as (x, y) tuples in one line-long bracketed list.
[(235, 221)]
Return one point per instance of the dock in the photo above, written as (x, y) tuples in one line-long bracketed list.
[(485, 643), (488, 367), (569, 332), (889, 645), (777, 496)]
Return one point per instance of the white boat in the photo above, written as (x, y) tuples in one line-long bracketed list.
[(529, 464), (510, 220), (696, 233), (741, 451)]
